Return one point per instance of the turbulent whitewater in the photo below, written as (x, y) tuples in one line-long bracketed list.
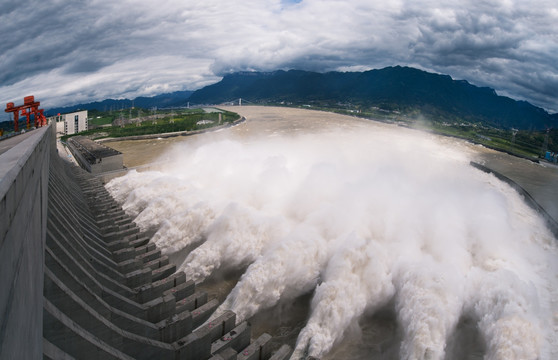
[(361, 218)]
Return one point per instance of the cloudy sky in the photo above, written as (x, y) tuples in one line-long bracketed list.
[(68, 52)]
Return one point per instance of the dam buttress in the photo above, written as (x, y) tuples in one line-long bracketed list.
[(110, 294), (81, 281)]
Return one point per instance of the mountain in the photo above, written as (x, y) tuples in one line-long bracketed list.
[(177, 98), (405, 89), (401, 88)]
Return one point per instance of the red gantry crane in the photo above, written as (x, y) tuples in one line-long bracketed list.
[(29, 107)]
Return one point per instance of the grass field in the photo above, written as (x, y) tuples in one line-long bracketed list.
[(164, 122)]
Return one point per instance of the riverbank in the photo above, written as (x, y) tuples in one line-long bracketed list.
[(550, 221), (172, 134)]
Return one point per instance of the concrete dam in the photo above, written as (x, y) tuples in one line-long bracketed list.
[(459, 254), (81, 281)]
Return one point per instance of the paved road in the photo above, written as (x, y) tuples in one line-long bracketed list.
[(9, 143)]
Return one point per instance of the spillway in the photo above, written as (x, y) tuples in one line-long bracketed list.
[(82, 281)]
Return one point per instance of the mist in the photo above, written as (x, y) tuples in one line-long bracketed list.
[(361, 218)]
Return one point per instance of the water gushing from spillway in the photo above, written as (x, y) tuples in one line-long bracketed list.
[(362, 217)]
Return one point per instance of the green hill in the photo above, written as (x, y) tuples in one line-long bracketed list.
[(393, 88)]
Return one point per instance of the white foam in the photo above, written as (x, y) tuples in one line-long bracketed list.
[(363, 217)]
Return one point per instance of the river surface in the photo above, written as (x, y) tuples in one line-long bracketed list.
[(378, 335)]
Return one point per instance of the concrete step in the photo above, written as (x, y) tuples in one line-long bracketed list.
[(111, 294)]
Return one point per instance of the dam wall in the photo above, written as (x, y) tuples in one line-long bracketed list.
[(529, 200), (94, 157), (81, 281), (110, 293), (24, 172)]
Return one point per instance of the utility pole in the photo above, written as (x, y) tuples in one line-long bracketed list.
[(545, 143), (514, 132)]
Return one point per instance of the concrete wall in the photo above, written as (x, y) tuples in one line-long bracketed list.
[(59, 127), (109, 163), (23, 215), (69, 122), (529, 200), (106, 164), (65, 123), (82, 161), (82, 282)]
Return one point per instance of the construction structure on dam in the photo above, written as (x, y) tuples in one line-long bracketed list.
[(94, 157), (81, 281)]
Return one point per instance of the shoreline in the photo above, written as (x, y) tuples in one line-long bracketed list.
[(528, 198), (242, 119), (172, 134)]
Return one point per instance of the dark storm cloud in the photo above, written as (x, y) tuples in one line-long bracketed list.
[(84, 66), (503, 44), (89, 50)]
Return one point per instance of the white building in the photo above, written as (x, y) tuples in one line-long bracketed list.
[(67, 124)]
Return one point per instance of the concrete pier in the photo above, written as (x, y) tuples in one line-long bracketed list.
[(94, 157), (83, 282)]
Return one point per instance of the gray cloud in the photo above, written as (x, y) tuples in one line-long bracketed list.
[(70, 52)]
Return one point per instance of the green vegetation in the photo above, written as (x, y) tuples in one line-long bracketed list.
[(525, 143), (528, 144), (100, 118), (144, 122)]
